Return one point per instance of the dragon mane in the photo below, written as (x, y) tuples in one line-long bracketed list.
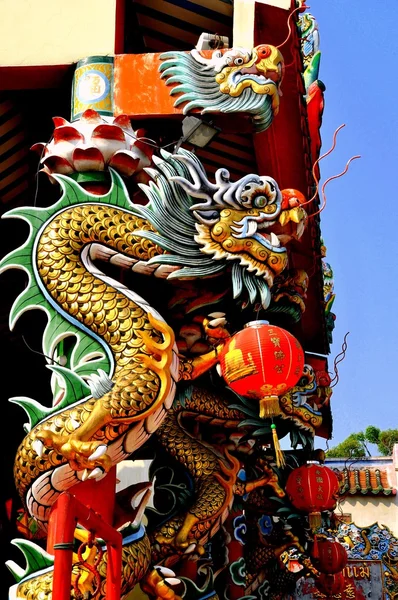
[(173, 214), (199, 89)]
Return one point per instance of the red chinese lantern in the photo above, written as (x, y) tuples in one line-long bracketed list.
[(328, 556), (263, 362), (330, 584), (313, 488)]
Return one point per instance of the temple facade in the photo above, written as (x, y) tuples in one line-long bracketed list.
[(167, 310)]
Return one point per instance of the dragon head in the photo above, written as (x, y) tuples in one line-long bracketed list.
[(238, 80), (238, 225), (261, 70), (242, 223)]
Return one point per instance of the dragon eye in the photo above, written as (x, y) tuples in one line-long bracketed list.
[(238, 61), (264, 51), (260, 201)]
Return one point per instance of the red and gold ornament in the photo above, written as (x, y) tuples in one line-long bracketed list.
[(328, 555), (262, 361), (330, 585), (313, 488)]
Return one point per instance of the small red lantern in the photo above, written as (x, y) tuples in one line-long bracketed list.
[(262, 361), (328, 556), (330, 584), (313, 488)]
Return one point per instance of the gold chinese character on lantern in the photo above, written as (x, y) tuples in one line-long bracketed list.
[(349, 591), (279, 355), (276, 341), (279, 368)]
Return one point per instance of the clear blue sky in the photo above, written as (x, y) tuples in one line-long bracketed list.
[(360, 227)]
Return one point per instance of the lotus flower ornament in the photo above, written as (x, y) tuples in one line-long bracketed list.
[(92, 144)]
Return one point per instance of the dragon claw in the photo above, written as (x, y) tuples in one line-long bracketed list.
[(96, 473), (160, 582), (165, 571), (214, 326), (100, 451), (80, 454)]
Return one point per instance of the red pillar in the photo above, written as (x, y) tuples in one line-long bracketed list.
[(98, 495), (66, 513)]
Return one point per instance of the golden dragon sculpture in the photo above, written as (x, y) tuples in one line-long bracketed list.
[(114, 361)]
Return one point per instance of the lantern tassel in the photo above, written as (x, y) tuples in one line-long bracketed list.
[(315, 548), (315, 520), (280, 457), (269, 407)]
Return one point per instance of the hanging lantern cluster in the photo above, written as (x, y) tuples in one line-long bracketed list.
[(328, 556), (330, 585), (312, 489), (262, 362)]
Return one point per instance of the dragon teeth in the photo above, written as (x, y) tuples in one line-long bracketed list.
[(98, 452), (217, 322), (38, 447), (274, 240), (96, 473), (172, 580), (300, 229), (165, 571), (252, 228)]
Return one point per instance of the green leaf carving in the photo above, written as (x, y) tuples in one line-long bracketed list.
[(36, 559)]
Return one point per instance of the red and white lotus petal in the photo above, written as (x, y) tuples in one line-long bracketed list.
[(91, 143), (57, 164), (88, 159), (144, 160), (123, 121), (89, 120), (59, 121), (41, 148), (65, 140), (142, 144), (124, 162), (91, 117), (67, 133), (109, 139)]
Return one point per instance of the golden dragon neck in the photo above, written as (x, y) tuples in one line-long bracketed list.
[(143, 382)]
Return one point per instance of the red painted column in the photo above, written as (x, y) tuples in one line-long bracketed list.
[(98, 495), (67, 512)]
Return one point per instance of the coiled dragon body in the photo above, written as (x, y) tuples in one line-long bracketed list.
[(118, 380)]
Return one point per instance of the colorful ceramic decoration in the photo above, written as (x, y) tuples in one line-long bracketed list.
[(328, 555), (262, 362), (313, 488), (93, 86), (122, 367), (93, 144), (328, 292), (232, 81), (146, 266), (309, 48)]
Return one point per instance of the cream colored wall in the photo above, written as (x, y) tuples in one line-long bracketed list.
[(279, 3), (366, 511), (53, 32), (244, 11)]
